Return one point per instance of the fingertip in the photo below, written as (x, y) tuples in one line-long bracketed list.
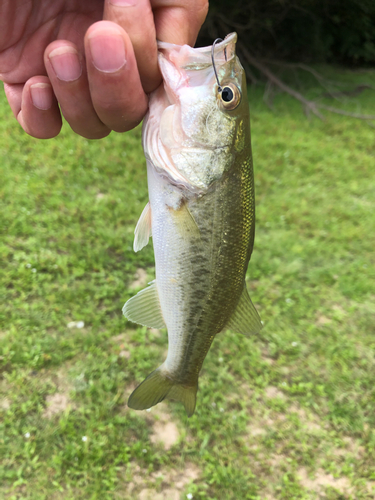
[(107, 48), (41, 95), (67, 73), (104, 27), (63, 58), (39, 115)]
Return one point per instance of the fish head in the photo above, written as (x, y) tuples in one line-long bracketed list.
[(195, 128)]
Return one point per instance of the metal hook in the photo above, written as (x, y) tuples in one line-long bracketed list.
[(219, 87)]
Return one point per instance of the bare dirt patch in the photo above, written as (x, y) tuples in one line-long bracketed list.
[(164, 430), (323, 320), (322, 480), (168, 483), (257, 431), (150, 494), (121, 338), (123, 343), (309, 420), (267, 358), (264, 423), (155, 332), (276, 461), (352, 447), (5, 404), (272, 392), (62, 380), (60, 401), (124, 354), (166, 433), (140, 279), (56, 403), (276, 466)]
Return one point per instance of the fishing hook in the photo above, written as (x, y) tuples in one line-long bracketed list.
[(219, 87)]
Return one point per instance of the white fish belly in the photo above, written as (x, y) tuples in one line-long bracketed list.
[(182, 272)]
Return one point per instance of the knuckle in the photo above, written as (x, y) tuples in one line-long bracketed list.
[(92, 134), (121, 110), (201, 11), (127, 125)]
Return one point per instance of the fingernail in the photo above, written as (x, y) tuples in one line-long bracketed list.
[(41, 95), (107, 51), (65, 63), (123, 3)]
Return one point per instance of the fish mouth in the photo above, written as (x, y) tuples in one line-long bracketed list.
[(186, 57), (182, 65), (185, 67), (187, 94)]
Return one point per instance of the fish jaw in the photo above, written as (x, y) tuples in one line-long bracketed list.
[(186, 134)]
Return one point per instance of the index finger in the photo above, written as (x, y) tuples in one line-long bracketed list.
[(179, 21), (145, 21)]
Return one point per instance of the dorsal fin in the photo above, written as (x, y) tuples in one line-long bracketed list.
[(142, 230), (245, 318), (144, 308)]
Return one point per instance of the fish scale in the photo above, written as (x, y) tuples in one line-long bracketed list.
[(201, 213)]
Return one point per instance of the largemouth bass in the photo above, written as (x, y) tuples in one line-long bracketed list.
[(196, 139)]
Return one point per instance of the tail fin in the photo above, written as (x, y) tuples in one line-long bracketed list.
[(158, 386)]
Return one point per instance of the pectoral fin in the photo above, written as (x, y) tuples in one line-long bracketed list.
[(142, 231), (185, 222), (245, 318), (144, 308)]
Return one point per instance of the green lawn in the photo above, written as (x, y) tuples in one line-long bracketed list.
[(288, 414)]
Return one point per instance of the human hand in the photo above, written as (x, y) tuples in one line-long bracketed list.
[(60, 53)]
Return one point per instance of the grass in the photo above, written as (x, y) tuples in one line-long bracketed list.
[(288, 414)]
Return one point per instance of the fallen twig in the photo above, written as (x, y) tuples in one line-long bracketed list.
[(309, 106), (350, 93)]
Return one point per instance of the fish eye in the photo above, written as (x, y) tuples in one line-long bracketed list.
[(227, 94), (230, 96)]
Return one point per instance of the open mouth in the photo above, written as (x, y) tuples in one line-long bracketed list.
[(187, 58)]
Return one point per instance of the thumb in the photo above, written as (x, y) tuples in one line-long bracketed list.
[(136, 18)]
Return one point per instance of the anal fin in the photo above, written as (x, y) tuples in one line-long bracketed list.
[(142, 230), (245, 318), (144, 308)]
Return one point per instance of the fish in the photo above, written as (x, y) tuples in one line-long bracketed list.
[(200, 214)]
